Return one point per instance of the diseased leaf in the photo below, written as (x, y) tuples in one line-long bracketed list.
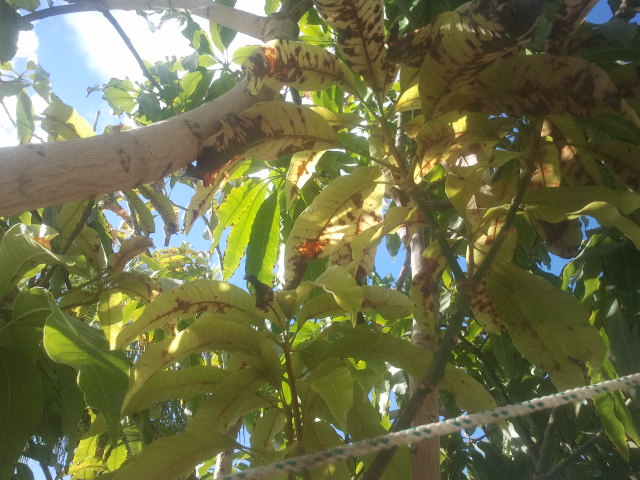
[(185, 300), (24, 250), (328, 219), (547, 341), (543, 84), (129, 249), (201, 201), (302, 66), (164, 207), (301, 168), (569, 15), (359, 25), (459, 44), (266, 131)]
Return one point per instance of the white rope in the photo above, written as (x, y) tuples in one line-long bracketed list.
[(411, 435)]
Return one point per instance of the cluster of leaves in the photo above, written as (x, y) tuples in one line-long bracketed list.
[(504, 133)]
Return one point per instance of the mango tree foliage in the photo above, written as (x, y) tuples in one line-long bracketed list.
[(489, 147)]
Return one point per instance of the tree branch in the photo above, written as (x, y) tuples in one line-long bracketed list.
[(40, 175), (127, 41), (262, 28)]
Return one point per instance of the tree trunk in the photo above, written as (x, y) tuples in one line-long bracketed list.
[(426, 454)]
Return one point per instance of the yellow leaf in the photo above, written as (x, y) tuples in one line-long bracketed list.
[(305, 67), (360, 28)]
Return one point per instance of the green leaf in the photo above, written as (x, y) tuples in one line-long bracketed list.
[(546, 340), (336, 389), (233, 206), (470, 395), (389, 303), (24, 252), (62, 122), (319, 436), (103, 374), (239, 236), (267, 427), (168, 384), (9, 30), (21, 403), (142, 212), (86, 239), (173, 456), (24, 332), (210, 333), (552, 204), (188, 299), (347, 293), (262, 250), (24, 118), (164, 207)]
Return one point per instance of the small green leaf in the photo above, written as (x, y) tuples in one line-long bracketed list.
[(262, 249)]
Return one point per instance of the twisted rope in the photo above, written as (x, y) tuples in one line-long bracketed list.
[(411, 435)]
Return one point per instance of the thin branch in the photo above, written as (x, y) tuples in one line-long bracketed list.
[(545, 459), (570, 459), (45, 471), (404, 271), (127, 41), (525, 177), (428, 385)]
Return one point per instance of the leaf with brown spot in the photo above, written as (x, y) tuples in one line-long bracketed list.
[(568, 17), (577, 165), (164, 207), (265, 131), (185, 300), (84, 239), (455, 47), (302, 66), (523, 301), (425, 287), (541, 85), (359, 25), (484, 311), (547, 172), (562, 238), (301, 167), (129, 248), (325, 222), (201, 201), (622, 158)]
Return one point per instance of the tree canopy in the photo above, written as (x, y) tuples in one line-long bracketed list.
[(492, 145)]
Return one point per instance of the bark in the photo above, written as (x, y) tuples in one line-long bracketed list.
[(262, 28), (425, 463), (41, 175)]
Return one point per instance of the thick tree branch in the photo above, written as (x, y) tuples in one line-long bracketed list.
[(40, 175), (262, 28)]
